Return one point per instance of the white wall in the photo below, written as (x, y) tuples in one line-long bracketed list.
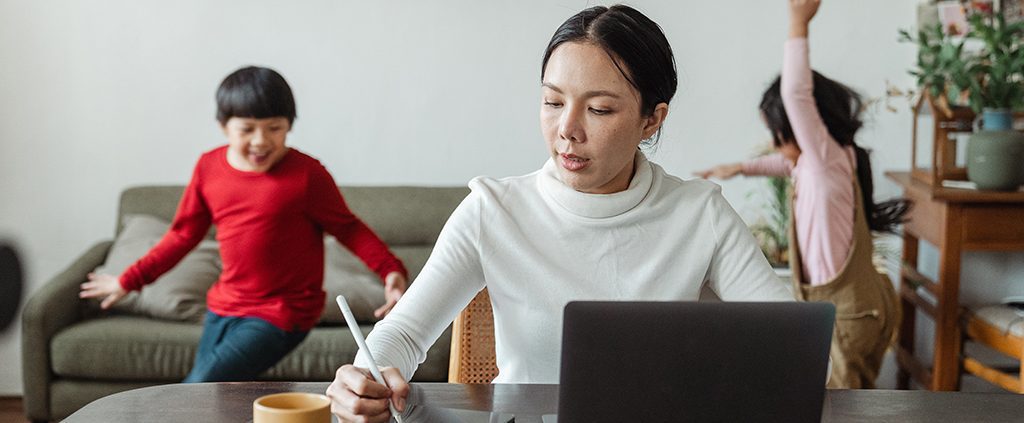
[(99, 95)]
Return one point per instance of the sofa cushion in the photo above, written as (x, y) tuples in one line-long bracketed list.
[(125, 348), (131, 348), (404, 216), (346, 275), (414, 257), (179, 294)]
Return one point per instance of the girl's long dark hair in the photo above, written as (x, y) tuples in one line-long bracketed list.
[(839, 107)]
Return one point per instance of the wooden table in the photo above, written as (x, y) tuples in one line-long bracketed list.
[(954, 220), (232, 402)]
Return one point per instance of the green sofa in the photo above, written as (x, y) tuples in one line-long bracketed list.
[(73, 354)]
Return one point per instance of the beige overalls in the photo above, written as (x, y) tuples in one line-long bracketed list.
[(867, 309)]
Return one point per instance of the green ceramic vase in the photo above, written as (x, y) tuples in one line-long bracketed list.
[(995, 155)]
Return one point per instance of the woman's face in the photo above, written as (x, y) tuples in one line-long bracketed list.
[(590, 118)]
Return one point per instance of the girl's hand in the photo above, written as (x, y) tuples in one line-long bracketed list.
[(800, 14), (356, 397), (103, 286), (394, 287), (725, 171)]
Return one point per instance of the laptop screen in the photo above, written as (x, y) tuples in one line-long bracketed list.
[(694, 361)]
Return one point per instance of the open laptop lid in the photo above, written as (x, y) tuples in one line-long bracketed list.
[(694, 361)]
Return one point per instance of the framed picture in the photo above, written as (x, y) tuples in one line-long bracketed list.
[(1013, 10), (953, 17)]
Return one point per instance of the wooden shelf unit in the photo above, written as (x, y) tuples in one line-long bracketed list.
[(954, 220)]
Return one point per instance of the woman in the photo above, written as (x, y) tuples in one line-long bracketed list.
[(597, 222)]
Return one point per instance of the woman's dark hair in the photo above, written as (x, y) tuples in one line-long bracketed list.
[(839, 107), (635, 44), (254, 92)]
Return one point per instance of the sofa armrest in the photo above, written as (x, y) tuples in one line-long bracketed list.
[(50, 309)]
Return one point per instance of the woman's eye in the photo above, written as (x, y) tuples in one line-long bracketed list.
[(553, 104), (599, 112)]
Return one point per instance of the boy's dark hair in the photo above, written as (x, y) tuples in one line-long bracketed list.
[(839, 107), (254, 92), (636, 45)]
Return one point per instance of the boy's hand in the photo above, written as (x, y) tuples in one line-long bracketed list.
[(800, 14), (103, 286), (394, 287)]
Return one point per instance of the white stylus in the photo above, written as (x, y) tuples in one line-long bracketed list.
[(353, 327)]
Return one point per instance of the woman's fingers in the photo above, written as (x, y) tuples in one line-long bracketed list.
[(399, 387), (357, 398), (358, 381), (355, 405)]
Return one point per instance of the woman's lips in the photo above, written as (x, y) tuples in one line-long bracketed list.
[(573, 163)]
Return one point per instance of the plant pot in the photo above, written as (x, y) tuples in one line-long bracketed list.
[(995, 155)]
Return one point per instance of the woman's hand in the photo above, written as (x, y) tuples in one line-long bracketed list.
[(800, 14), (103, 286), (394, 287), (356, 397), (725, 171)]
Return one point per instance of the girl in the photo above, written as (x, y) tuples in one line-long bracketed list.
[(598, 221), (813, 121)]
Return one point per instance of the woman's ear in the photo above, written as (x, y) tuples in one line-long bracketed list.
[(653, 122)]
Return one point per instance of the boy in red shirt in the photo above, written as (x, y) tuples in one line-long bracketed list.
[(271, 205)]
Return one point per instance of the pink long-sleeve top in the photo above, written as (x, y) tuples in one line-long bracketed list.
[(824, 202)]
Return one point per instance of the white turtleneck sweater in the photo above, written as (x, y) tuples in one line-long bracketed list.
[(537, 244)]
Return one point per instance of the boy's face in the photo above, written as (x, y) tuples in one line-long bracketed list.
[(256, 145)]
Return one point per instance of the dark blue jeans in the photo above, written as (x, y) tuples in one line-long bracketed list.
[(234, 349)]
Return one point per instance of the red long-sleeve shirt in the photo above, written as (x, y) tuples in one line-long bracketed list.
[(270, 227)]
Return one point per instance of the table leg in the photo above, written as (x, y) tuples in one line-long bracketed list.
[(909, 312), (946, 363)]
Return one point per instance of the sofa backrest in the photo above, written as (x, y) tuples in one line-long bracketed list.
[(408, 219)]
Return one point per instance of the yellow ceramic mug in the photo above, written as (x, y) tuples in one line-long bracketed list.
[(292, 407)]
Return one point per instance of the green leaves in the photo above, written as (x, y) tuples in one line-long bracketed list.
[(940, 64), (999, 68), (990, 78), (771, 231)]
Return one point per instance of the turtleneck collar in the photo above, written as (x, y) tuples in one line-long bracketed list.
[(597, 206)]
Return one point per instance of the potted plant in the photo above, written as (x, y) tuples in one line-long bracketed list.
[(771, 229), (994, 77), (989, 81), (995, 88), (941, 67)]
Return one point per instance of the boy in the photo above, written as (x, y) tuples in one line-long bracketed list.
[(272, 205)]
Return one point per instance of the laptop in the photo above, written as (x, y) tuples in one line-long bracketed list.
[(694, 361)]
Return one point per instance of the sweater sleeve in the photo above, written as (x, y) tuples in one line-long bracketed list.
[(452, 276), (327, 208), (768, 165), (738, 270), (191, 222), (797, 89)]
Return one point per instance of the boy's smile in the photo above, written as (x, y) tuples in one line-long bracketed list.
[(256, 145)]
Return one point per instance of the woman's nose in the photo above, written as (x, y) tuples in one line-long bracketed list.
[(570, 128)]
